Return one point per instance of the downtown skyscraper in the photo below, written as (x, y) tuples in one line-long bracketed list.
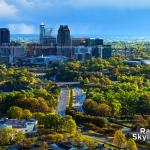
[(64, 41), (4, 36)]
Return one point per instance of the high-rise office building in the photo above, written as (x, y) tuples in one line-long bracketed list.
[(64, 41), (47, 44), (6, 53), (46, 36), (4, 36), (42, 32)]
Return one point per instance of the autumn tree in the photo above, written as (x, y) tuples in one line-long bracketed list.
[(131, 144), (44, 146), (119, 139), (103, 110), (15, 112)]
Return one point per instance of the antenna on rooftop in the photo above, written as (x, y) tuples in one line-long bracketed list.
[(42, 24)]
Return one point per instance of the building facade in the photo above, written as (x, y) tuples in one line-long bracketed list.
[(94, 42), (26, 126), (82, 53), (4, 36), (106, 51), (46, 36), (5, 51), (64, 47)]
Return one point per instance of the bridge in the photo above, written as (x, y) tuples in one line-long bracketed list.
[(68, 84)]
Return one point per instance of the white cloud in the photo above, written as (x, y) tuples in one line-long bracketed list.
[(25, 4), (21, 28), (83, 3), (7, 10), (36, 4), (111, 3)]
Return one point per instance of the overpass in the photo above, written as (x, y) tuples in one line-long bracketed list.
[(68, 84)]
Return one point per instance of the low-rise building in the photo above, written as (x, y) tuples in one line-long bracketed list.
[(145, 62), (35, 50), (46, 60), (137, 62), (24, 125), (132, 63), (83, 53)]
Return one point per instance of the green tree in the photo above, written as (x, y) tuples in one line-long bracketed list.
[(53, 121), (86, 81), (39, 116), (116, 107), (143, 105), (10, 136), (71, 98), (15, 112), (26, 114), (69, 124)]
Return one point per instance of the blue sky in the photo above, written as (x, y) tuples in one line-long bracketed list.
[(94, 17)]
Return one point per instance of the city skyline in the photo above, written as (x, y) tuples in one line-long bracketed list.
[(93, 17)]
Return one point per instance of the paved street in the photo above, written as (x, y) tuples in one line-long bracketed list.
[(79, 98), (63, 101)]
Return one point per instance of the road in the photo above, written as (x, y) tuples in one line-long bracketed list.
[(63, 101), (79, 98)]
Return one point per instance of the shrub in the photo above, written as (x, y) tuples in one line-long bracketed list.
[(81, 118), (53, 138)]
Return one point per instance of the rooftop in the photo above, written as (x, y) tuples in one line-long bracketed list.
[(26, 125)]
